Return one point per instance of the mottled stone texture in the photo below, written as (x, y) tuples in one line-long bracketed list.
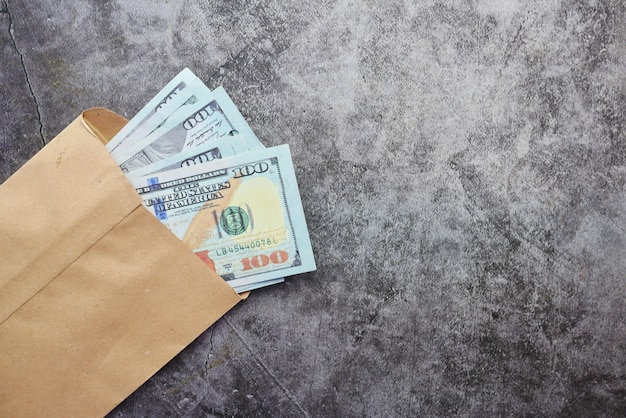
[(462, 166), (19, 125)]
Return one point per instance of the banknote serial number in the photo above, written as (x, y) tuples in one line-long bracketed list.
[(251, 245)]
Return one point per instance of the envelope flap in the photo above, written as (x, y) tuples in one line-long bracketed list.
[(57, 205)]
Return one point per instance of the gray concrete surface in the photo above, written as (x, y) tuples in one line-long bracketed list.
[(462, 169)]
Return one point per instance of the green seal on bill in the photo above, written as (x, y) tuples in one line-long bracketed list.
[(234, 220)]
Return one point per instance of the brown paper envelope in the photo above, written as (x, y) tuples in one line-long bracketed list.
[(96, 295)]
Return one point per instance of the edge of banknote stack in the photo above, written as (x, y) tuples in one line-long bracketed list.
[(201, 170)]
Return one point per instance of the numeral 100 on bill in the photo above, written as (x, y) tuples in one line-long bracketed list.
[(250, 263), (262, 260)]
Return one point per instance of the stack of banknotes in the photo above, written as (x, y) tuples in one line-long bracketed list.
[(202, 172)]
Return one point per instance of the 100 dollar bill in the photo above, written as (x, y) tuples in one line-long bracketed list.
[(184, 88), (226, 146), (241, 215), (214, 117)]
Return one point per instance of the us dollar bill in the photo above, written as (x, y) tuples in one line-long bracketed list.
[(185, 88), (205, 121), (226, 146), (257, 285), (241, 215)]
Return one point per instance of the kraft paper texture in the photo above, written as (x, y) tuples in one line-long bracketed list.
[(96, 295)]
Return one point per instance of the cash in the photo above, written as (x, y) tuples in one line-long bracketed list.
[(226, 146), (185, 88), (209, 119), (201, 170), (241, 215)]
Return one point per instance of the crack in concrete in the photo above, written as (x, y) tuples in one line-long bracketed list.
[(7, 11), (267, 370)]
